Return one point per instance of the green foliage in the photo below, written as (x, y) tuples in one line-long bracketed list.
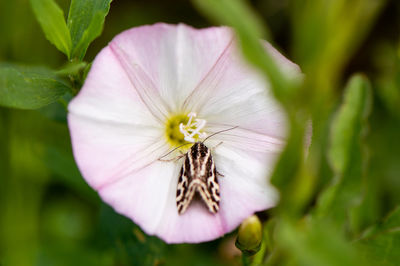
[(52, 21), (34, 87), (72, 68), (349, 124), (382, 242), (333, 195), (329, 31), (322, 48), (130, 244), (29, 87), (347, 153), (316, 244), (85, 23)]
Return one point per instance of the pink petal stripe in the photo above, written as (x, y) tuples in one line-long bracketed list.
[(144, 86)]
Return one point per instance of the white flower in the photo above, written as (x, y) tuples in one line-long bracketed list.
[(133, 109)]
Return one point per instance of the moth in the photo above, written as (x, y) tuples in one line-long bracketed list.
[(198, 175)]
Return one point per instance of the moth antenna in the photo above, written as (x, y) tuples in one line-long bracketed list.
[(171, 151), (213, 134)]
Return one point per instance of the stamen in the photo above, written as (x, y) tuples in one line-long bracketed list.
[(192, 128)]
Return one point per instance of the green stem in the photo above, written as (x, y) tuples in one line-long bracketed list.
[(246, 259)]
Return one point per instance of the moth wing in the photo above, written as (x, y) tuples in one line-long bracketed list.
[(183, 195), (209, 190)]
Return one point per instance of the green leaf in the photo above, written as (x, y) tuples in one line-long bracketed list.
[(51, 19), (72, 68), (29, 87), (85, 23), (288, 169), (316, 243), (392, 222), (348, 124), (347, 154), (383, 245), (130, 245), (325, 36)]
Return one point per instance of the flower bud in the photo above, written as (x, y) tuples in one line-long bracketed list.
[(249, 236)]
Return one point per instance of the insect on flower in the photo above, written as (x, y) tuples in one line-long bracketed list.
[(198, 173), (160, 88)]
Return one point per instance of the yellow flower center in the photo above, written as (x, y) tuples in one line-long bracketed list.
[(183, 129)]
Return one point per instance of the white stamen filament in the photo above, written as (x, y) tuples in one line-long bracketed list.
[(192, 128)]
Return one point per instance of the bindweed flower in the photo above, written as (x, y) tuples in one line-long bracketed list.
[(155, 88)]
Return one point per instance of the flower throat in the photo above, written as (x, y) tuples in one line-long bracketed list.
[(183, 129)]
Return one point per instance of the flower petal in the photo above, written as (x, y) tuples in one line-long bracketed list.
[(142, 195), (174, 58), (148, 198), (108, 94), (112, 131), (107, 152), (244, 189), (233, 91), (117, 125), (244, 139)]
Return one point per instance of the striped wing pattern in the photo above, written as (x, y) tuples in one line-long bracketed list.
[(198, 175)]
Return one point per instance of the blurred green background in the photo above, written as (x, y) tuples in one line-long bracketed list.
[(334, 202)]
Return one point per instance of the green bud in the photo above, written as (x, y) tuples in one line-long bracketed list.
[(249, 236)]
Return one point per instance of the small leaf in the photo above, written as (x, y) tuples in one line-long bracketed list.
[(29, 88), (85, 23), (72, 68), (51, 19), (383, 245), (392, 222), (347, 126), (347, 154)]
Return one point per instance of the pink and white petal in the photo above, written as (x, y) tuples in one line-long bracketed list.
[(175, 58), (244, 139), (196, 225), (106, 152), (243, 198), (148, 198), (245, 186), (247, 103), (290, 69), (142, 195), (241, 95), (112, 130), (108, 95), (244, 189), (210, 84)]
